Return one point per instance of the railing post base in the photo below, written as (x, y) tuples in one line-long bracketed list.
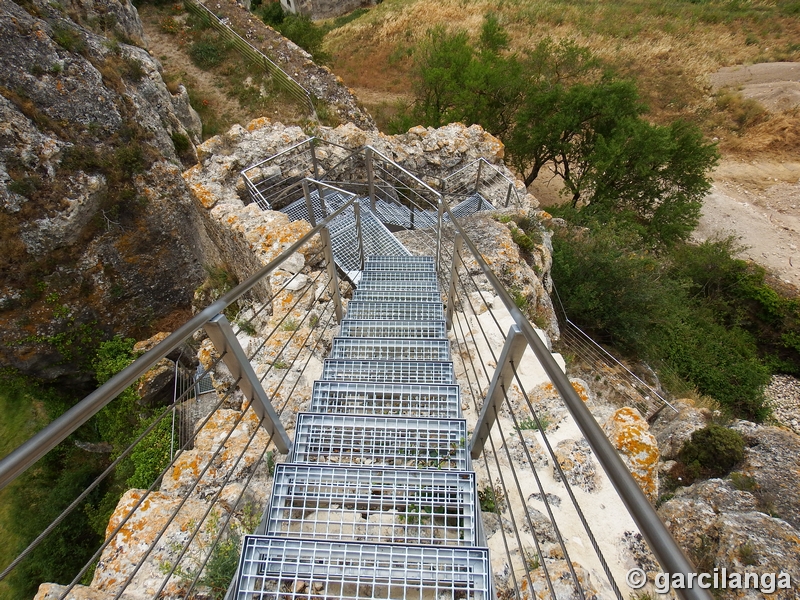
[(511, 355), (220, 332)]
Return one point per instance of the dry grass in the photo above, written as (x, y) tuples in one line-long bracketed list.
[(669, 48)]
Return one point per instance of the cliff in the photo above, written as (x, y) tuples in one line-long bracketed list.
[(99, 233)]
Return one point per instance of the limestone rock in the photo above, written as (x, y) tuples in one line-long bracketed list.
[(130, 544), (772, 459), (54, 591), (629, 433), (563, 584), (673, 430), (157, 385), (719, 526), (575, 459)]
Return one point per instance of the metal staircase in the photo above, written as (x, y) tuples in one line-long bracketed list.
[(378, 499)]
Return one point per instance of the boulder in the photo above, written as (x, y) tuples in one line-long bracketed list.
[(630, 435)]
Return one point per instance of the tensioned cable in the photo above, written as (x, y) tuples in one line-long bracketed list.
[(98, 480), (571, 494), (183, 501), (141, 500), (489, 477)]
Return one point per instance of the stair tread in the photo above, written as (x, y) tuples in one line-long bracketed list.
[(396, 371), (390, 348), (394, 399), (268, 565), (384, 505), (394, 442)]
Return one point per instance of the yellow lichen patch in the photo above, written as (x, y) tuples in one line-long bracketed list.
[(580, 390), (258, 123), (192, 171), (203, 195), (630, 435)]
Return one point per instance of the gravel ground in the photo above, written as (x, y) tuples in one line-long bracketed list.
[(783, 395)]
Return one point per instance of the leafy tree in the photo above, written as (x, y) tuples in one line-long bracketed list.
[(553, 106)]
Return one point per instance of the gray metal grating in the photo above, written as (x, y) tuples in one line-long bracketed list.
[(416, 400), (395, 311), (381, 505), (402, 276), (386, 329), (397, 263), (298, 211), (381, 441), (473, 204), (379, 371), (399, 286), (390, 349), (272, 568), (398, 296)]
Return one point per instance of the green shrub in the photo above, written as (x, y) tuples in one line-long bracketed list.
[(714, 450), (68, 38), (271, 13), (181, 142), (207, 54)]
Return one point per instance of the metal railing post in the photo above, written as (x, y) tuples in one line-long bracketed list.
[(313, 149), (508, 194), (511, 355), (478, 176), (451, 294), (328, 249), (220, 332), (322, 206), (357, 212), (439, 218), (368, 158), (307, 195)]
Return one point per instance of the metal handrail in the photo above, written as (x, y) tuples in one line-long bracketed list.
[(666, 550), (24, 456)]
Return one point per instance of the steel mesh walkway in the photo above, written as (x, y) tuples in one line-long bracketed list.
[(378, 499)]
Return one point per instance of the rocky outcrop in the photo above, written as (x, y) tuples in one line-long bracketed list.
[(630, 435), (722, 527), (101, 235), (673, 429)]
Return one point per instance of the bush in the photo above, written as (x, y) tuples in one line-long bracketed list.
[(713, 451), (207, 54)]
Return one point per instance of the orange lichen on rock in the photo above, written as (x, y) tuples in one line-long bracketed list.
[(203, 195), (258, 123), (630, 434)]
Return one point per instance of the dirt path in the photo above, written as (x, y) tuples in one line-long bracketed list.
[(179, 67), (766, 221)]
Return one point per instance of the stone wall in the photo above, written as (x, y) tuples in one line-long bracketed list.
[(324, 9)]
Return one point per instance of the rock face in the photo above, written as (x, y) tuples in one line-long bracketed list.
[(720, 526), (630, 435), (672, 430), (100, 232)]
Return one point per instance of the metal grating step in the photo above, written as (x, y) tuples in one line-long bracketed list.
[(298, 210), (399, 286), (398, 296), (413, 400), (380, 505), (390, 349), (380, 371), (395, 311), (376, 239), (271, 568), (395, 442), (473, 204), (396, 263), (385, 329), (381, 276)]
